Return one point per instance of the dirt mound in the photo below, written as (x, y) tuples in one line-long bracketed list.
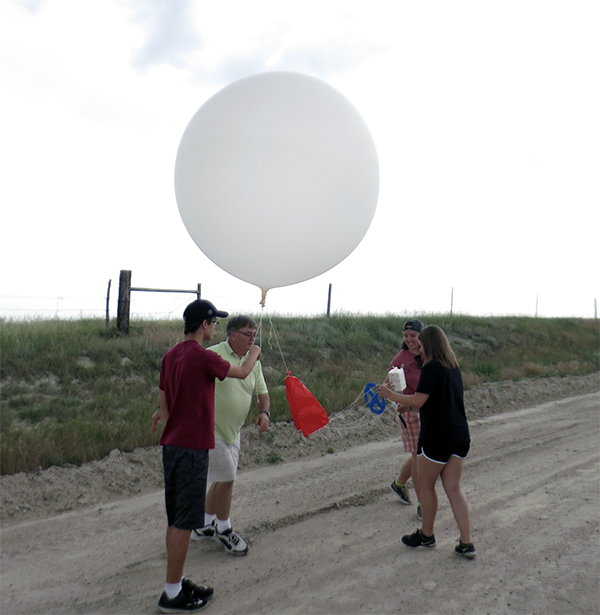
[(121, 475)]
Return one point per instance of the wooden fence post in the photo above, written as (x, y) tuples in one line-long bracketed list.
[(124, 301), (329, 301), (107, 304)]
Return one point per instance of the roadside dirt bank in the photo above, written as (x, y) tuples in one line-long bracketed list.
[(43, 493), (325, 534)]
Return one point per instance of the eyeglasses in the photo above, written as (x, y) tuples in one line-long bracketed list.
[(250, 336), (214, 322)]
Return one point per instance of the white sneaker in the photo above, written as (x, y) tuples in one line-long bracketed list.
[(232, 541), (208, 531)]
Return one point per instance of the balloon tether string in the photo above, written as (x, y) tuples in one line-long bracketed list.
[(272, 332)]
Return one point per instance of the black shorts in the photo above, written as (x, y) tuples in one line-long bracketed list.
[(441, 453), (185, 472)]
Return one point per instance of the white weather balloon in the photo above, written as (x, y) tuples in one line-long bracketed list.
[(277, 178)]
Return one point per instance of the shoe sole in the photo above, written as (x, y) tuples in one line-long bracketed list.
[(471, 555), (167, 609), (232, 552), (427, 546)]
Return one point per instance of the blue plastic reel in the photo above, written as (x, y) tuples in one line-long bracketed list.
[(376, 404)]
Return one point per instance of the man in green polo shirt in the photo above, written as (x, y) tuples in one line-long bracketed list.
[(233, 399)]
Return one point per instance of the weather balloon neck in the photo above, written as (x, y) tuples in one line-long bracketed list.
[(264, 297)]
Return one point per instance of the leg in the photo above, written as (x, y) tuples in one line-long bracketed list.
[(218, 499), (410, 439), (415, 475), (405, 472), (177, 547), (222, 472), (399, 485), (428, 471), (451, 480)]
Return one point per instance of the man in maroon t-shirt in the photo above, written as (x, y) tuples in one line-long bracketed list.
[(186, 402)]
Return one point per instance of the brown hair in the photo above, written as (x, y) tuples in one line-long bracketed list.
[(239, 322), (436, 347)]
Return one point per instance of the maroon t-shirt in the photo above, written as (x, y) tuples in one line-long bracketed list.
[(412, 369), (187, 377)]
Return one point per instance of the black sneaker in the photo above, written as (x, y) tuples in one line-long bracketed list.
[(419, 513), (402, 493), (183, 602), (199, 591), (232, 541), (465, 549), (418, 539)]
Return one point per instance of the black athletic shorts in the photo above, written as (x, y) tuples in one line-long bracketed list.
[(185, 472), (441, 453)]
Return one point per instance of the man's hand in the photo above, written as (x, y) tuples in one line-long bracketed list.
[(262, 422)]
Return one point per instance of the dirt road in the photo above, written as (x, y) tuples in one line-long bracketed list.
[(325, 535)]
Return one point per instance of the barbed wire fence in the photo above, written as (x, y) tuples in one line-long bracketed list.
[(25, 306), (159, 305), (29, 307)]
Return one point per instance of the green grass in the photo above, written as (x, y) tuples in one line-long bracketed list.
[(71, 392)]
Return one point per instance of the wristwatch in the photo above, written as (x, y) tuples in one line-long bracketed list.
[(267, 413)]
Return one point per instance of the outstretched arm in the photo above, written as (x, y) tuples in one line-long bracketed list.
[(414, 401)]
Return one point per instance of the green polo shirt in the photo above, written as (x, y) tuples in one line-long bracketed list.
[(233, 397)]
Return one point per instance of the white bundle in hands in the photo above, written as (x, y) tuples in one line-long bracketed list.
[(397, 379)]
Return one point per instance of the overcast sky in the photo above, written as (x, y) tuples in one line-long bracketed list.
[(484, 115)]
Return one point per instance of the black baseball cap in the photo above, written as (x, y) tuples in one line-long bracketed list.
[(198, 311), (413, 324)]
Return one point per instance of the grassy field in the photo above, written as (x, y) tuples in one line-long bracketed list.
[(72, 392)]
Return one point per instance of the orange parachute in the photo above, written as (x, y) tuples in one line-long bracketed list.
[(308, 414)]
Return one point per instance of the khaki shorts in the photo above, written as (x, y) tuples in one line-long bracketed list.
[(223, 461)]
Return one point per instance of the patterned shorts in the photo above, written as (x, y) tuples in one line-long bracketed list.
[(410, 433)]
